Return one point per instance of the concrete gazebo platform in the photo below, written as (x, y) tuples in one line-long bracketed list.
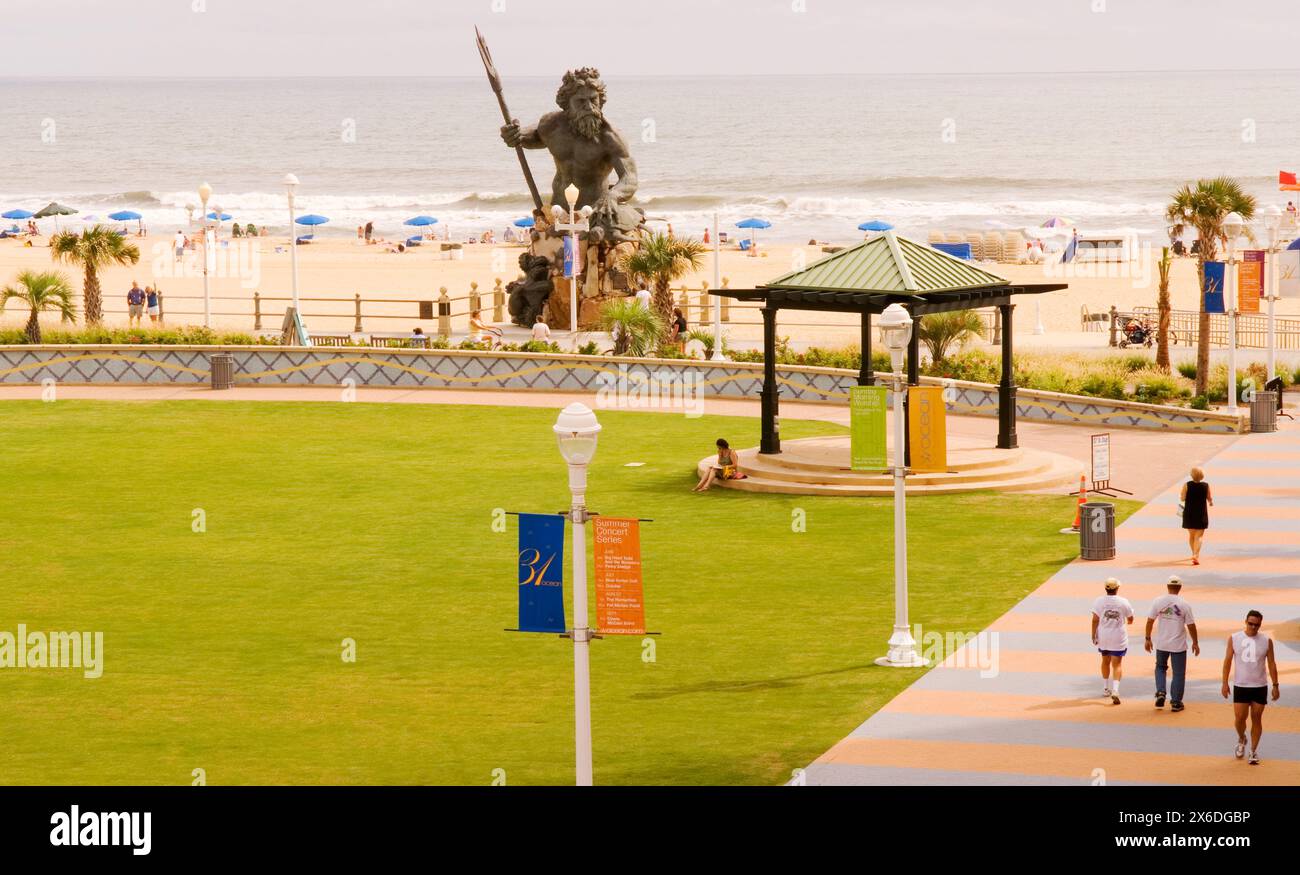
[(820, 466)]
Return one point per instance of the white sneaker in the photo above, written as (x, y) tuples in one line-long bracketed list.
[(1240, 750), (1254, 758), (1105, 693)]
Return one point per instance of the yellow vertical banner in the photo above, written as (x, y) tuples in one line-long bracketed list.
[(927, 428)]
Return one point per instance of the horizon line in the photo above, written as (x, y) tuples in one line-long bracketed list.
[(251, 77)]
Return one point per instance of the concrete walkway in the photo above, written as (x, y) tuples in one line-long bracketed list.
[(1031, 711)]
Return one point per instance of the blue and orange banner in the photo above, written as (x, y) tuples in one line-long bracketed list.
[(541, 573), (927, 423), (620, 601), (1212, 287)]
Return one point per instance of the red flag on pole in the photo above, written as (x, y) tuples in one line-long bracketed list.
[(1287, 181)]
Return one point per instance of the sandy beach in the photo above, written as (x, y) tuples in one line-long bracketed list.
[(332, 272)]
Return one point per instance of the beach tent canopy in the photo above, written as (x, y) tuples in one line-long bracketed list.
[(1295, 244), (525, 222), (865, 279), (1057, 222), (875, 225), (53, 209), (421, 221), (312, 219), (125, 216), (17, 214), (753, 223)]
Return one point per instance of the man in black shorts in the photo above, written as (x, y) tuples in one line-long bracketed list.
[(1247, 655)]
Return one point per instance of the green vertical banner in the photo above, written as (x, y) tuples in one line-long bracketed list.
[(867, 427)]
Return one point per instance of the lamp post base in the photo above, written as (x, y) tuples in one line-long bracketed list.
[(903, 660), (902, 651)]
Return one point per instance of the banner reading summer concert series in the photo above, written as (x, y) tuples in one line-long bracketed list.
[(1250, 281), (541, 572), (620, 604)]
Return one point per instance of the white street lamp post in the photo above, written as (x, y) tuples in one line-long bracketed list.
[(1274, 224), (576, 431), (718, 354), (1232, 225), (895, 333), (205, 192), (571, 194), (291, 183)]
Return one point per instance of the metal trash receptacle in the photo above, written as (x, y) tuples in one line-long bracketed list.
[(1097, 530), (1263, 412), (223, 370)]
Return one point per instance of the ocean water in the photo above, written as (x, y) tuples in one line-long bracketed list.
[(813, 155)]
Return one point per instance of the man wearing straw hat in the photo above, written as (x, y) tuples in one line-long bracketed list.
[(1111, 616), (1170, 643)]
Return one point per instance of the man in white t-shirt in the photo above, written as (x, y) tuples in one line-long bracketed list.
[(179, 244), (541, 331), (1111, 616), (1248, 655), (1175, 623), (643, 297)]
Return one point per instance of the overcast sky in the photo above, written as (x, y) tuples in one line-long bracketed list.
[(628, 37)]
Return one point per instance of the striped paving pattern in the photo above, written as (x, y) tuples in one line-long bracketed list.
[(1022, 704)]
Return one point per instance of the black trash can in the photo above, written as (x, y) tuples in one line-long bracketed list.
[(223, 370), (1097, 530), (1263, 412)]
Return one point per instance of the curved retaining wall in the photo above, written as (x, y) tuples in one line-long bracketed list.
[(547, 372)]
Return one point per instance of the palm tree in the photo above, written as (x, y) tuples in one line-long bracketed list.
[(1204, 206), (93, 249), (659, 260), (1165, 310), (635, 329), (48, 292), (939, 331)]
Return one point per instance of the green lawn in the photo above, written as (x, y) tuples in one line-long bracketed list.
[(374, 522)]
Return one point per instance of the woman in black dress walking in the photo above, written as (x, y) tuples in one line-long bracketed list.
[(1197, 502)]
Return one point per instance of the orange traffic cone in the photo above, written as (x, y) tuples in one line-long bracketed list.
[(1078, 507)]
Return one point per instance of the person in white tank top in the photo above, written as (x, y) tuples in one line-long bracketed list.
[(1248, 657)]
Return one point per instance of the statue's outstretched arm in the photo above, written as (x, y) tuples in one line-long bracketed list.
[(515, 134), (624, 167)]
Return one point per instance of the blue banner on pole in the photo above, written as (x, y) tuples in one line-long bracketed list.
[(570, 256), (1213, 287), (541, 573)]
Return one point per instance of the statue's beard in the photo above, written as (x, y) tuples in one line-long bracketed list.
[(587, 125)]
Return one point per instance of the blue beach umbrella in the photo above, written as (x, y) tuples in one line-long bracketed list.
[(525, 222), (17, 214), (1295, 244), (125, 216), (224, 217), (875, 225), (753, 225), (312, 219), (421, 221)]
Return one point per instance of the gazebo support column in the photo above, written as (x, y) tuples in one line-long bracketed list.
[(866, 376), (1007, 386), (913, 379), (770, 443)]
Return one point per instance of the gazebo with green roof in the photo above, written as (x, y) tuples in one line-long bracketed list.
[(867, 278)]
